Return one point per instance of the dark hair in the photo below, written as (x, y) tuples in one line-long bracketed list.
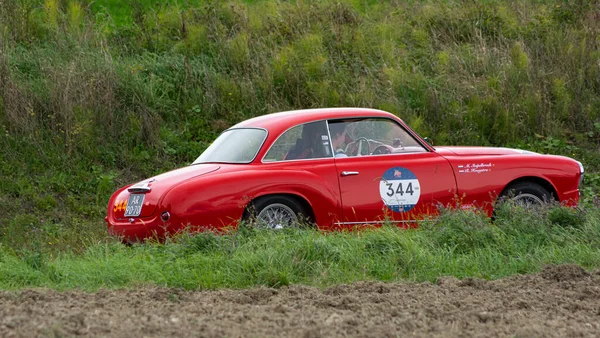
[(311, 137), (337, 128)]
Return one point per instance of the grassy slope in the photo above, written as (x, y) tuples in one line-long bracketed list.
[(94, 95)]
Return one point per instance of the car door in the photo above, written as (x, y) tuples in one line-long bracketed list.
[(386, 174), (302, 164)]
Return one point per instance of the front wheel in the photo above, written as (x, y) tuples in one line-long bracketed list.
[(527, 194), (276, 212)]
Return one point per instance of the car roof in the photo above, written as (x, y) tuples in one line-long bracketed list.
[(294, 117)]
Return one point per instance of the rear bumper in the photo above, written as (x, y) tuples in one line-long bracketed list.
[(138, 230), (154, 228)]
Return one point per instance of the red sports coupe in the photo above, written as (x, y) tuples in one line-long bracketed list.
[(334, 168)]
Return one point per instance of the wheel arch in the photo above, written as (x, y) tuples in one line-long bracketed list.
[(533, 179), (297, 198)]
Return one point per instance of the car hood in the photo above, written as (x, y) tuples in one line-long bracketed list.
[(480, 151), (154, 187)]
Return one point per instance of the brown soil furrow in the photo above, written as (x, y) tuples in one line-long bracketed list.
[(560, 301)]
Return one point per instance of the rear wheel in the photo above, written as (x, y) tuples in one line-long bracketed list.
[(276, 212)]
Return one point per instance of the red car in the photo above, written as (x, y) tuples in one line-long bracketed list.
[(335, 168)]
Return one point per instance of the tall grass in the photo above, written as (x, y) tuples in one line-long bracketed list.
[(95, 94), (461, 244)]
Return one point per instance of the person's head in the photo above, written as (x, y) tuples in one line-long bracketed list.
[(310, 131), (311, 136), (338, 134)]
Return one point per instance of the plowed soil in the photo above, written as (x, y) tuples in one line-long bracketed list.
[(560, 301)]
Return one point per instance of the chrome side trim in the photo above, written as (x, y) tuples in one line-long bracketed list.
[(367, 222)]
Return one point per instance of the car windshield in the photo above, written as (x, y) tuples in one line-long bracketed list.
[(234, 146)]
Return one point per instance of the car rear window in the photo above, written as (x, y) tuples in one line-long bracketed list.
[(234, 146)]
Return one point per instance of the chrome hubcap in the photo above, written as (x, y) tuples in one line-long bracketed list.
[(276, 216), (528, 200)]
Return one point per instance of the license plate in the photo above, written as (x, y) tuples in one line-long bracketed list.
[(134, 205)]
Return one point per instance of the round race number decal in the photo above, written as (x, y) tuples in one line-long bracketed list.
[(399, 189)]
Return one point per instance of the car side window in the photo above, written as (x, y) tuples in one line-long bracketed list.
[(372, 136), (305, 141)]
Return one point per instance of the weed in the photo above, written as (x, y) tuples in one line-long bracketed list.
[(567, 217), (463, 231)]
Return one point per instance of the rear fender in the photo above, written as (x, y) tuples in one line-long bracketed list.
[(220, 200)]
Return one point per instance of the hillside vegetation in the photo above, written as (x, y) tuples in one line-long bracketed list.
[(96, 94)]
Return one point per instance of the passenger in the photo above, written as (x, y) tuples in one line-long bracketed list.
[(310, 145)]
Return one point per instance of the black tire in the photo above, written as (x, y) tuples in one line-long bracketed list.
[(257, 210), (527, 193)]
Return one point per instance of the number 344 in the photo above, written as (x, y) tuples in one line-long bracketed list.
[(391, 191)]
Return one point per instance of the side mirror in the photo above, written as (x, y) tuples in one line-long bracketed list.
[(428, 140)]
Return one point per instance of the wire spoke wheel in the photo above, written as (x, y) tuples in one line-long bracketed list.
[(528, 195), (528, 201), (276, 216)]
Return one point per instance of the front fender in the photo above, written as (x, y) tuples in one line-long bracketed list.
[(481, 179)]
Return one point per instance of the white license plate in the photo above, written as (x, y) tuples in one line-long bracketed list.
[(134, 205)]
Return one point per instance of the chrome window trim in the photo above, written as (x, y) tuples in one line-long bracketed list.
[(297, 160), (330, 139), (408, 130), (380, 155)]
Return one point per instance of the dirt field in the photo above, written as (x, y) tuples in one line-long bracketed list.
[(561, 301)]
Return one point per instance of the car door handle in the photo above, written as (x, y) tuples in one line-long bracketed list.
[(349, 173)]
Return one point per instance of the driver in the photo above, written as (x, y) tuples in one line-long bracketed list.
[(338, 138)]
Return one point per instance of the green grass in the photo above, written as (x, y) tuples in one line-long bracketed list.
[(461, 244)]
